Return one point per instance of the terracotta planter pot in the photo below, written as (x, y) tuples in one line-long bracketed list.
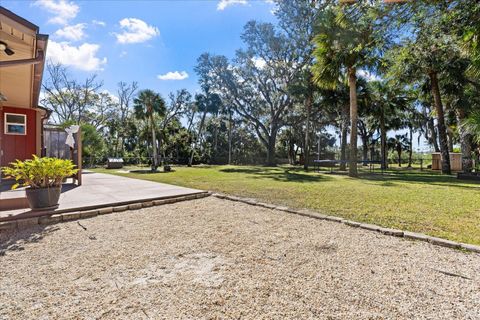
[(44, 198)]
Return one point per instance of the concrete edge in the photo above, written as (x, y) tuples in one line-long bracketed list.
[(39, 214), (21, 224), (366, 226)]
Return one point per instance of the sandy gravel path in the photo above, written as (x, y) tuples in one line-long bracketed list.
[(216, 259)]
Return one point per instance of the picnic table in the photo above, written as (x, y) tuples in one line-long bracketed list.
[(317, 164), (114, 163)]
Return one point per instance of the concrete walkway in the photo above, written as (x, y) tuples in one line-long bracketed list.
[(100, 190)]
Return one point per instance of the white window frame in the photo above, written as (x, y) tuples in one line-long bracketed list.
[(5, 129)]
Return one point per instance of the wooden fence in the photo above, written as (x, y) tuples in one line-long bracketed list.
[(54, 146)]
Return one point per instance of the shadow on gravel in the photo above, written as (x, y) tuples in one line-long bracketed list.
[(16, 240)]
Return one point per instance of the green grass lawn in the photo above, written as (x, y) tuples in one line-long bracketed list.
[(424, 202)]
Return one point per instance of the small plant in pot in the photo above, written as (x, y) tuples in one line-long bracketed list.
[(43, 178)]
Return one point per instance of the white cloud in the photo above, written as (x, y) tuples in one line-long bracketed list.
[(99, 23), (259, 63), (73, 33), (83, 57), (63, 10), (368, 75), (123, 54), (223, 4), (135, 31), (111, 95), (175, 75)]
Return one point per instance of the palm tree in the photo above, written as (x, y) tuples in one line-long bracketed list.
[(346, 39), (148, 104), (206, 103), (335, 104), (472, 126), (387, 103), (427, 58), (399, 143)]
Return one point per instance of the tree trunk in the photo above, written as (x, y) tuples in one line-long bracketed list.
[(442, 130), (198, 138), (115, 147), (308, 103), (399, 151), (271, 161), (410, 146), (364, 149), (383, 140), (352, 83), (291, 151), (465, 143), (122, 145), (433, 134), (450, 139), (343, 141), (230, 138), (154, 144)]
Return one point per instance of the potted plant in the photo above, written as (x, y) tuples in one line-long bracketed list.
[(43, 178)]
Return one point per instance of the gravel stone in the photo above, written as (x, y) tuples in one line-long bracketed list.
[(217, 259)]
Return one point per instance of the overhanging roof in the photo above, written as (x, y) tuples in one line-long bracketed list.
[(21, 73)]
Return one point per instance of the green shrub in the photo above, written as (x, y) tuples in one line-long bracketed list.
[(40, 172)]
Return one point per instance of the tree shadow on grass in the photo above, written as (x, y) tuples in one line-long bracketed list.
[(148, 171), (434, 179), (278, 174)]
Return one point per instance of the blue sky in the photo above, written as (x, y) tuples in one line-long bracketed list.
[(141, 40), (155, 43)]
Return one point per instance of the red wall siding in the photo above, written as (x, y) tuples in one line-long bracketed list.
[(18, 146)]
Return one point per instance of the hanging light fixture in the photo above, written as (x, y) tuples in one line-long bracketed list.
[(4, 47)]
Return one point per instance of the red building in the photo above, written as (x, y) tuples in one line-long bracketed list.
[(22, 60)]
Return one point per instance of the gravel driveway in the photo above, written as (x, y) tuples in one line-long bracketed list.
[(216, 259)]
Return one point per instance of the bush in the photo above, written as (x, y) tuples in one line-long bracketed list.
[(40, 172)]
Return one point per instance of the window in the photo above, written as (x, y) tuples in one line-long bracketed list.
[(15, 123)]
